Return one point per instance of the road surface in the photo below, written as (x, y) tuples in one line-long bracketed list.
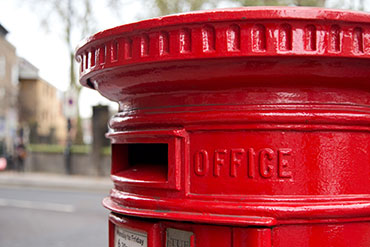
[(31, 217)]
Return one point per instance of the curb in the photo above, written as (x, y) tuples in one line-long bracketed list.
[(45, 180)]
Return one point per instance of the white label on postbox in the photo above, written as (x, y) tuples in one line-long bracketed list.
[(129, 238), (177, 238)]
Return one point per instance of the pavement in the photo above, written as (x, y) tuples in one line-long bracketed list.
[(55, 181), (35, 217)]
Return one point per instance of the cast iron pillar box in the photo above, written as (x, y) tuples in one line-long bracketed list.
[(243, 127)]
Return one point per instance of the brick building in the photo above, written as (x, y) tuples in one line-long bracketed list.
[(40, 107)]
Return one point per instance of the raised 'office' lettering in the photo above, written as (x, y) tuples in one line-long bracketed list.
[(265, 163)]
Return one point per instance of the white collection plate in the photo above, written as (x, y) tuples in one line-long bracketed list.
[(128, 238)]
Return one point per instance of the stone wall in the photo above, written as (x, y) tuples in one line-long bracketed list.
[(82, 164)]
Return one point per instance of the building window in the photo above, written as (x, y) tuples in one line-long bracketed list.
[(2, 67), (15, 74)]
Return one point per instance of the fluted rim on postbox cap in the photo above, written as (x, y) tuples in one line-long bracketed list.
[(227, 33), (286, 90)]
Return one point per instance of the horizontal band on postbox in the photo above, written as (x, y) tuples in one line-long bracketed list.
[(266, 162), (256, 214), (226, 117)]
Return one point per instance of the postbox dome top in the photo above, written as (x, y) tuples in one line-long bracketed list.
[(226, 33)]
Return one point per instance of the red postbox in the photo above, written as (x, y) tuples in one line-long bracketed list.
[(243, 127)]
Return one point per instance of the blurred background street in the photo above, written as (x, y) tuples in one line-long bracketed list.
[(54, 157), (48, 122), (55, 212)]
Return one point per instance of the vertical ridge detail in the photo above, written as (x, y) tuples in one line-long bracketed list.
[(310, 36), (185, 40), (144, 45), (164, 43), (128, 48), (259, 38), (81, 60), (358, 43), (92, 58), (89, 55), (208, 39), (102, 54), (335, 38), (86, 58), (233, 38), (114, 51), (285, 37)]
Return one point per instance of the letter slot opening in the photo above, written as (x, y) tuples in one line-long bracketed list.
[(140, 162)]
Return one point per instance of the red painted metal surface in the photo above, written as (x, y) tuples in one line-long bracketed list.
[(250, 125)]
